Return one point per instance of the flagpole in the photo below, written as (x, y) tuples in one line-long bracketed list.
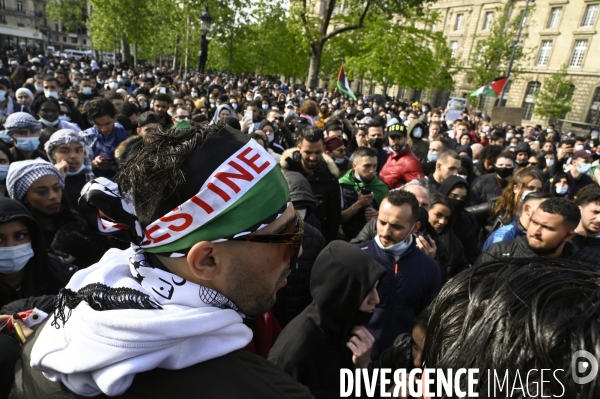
[(514, 50)]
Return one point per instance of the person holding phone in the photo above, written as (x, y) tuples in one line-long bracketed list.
[(105, 136), (363, 192)]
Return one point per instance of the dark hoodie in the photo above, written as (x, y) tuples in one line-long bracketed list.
[(44, 274), (419, 146), (465, 227), (312, 348), (295, 296)]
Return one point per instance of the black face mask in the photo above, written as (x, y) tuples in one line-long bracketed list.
[(504, 172), (457, 205), (362, 318), (376, 143)]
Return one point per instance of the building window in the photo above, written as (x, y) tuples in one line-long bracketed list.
[(459, 21), (544, 54), (554, 17), (19, 6), (2, 4), (589, 18), (453, 48), (578, 53), (20, 21), (74, 40), (433, 27), (84, 41), (3, 18), (593, 116), (56, 27), (487, 20), (64, 39), (528, 102)]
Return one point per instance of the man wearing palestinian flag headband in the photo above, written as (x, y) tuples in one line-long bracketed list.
[(213, 236)]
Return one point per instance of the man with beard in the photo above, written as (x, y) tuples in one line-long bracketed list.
[(201, 263), (549, 234), (402, 165), (363, 192), (322, 173), (587, 237)]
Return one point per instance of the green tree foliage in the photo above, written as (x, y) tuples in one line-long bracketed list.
[(314, 19), (491, 55), (420, 58), (70, 13), (555, 98)]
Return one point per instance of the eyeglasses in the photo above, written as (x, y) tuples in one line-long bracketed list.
[(294, 239), (532, 163)]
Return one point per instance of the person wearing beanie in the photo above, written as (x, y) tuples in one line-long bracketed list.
[(522, 154), (335, 148), (38, 185), (24, 131), (69, 151), (25, 99)]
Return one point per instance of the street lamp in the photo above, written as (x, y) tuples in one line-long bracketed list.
[(205, 22)]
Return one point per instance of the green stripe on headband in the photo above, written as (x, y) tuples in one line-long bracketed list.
[(269, 193)]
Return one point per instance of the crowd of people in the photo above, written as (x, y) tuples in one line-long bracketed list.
[(252, 238)]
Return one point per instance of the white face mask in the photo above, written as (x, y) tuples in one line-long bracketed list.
[(417, 132), (549, 162), (398, 248), (51, 94), (14, 259)]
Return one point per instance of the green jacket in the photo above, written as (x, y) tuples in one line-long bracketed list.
[(379, 188)]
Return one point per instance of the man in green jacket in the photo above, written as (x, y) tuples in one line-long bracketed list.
[(362, 190)]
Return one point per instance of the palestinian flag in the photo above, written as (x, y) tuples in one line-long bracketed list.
[(343, 85), (492, 89)]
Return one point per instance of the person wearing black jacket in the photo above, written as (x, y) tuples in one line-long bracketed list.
[(490, 185), (465, 226), (295, 296), (26, 269), (587, 233), (330, 334), (322, 173), (549, 234)]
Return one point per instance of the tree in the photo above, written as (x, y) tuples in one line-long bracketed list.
[(341, 16), (423, 59), (70, 13), (491, 55), (555, 98)]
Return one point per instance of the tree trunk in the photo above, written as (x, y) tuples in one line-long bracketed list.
[(175, 55), (315, 63), (126, 52)]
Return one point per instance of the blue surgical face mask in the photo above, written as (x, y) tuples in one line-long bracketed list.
[(397, 248), (3, 172), (64, 118), (432, 156), (485, 129), (46, 122), (234, 105), (265, 106), (584, 168), (2, 96), (14, 259), (561, 190), (39, 89), (579, 147), (5, 137), (417, 132), (509, 136), (86, 90), (53, 94), (82, 167), (270, 137), (28, 144)]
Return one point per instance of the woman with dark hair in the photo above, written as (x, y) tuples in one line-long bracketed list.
[(6, 159), (19, 76), (38, 185)]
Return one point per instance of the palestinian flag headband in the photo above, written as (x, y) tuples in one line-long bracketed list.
[(232, 187)]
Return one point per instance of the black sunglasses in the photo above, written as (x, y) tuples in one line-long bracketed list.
[(294, 239)]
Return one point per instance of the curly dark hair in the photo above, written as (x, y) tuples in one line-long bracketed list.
[(154, 172)]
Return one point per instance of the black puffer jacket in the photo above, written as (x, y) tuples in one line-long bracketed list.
[(488, 187), (519, 248), (589, 250)]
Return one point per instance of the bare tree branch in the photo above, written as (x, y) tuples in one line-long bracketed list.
[(349, 27)]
